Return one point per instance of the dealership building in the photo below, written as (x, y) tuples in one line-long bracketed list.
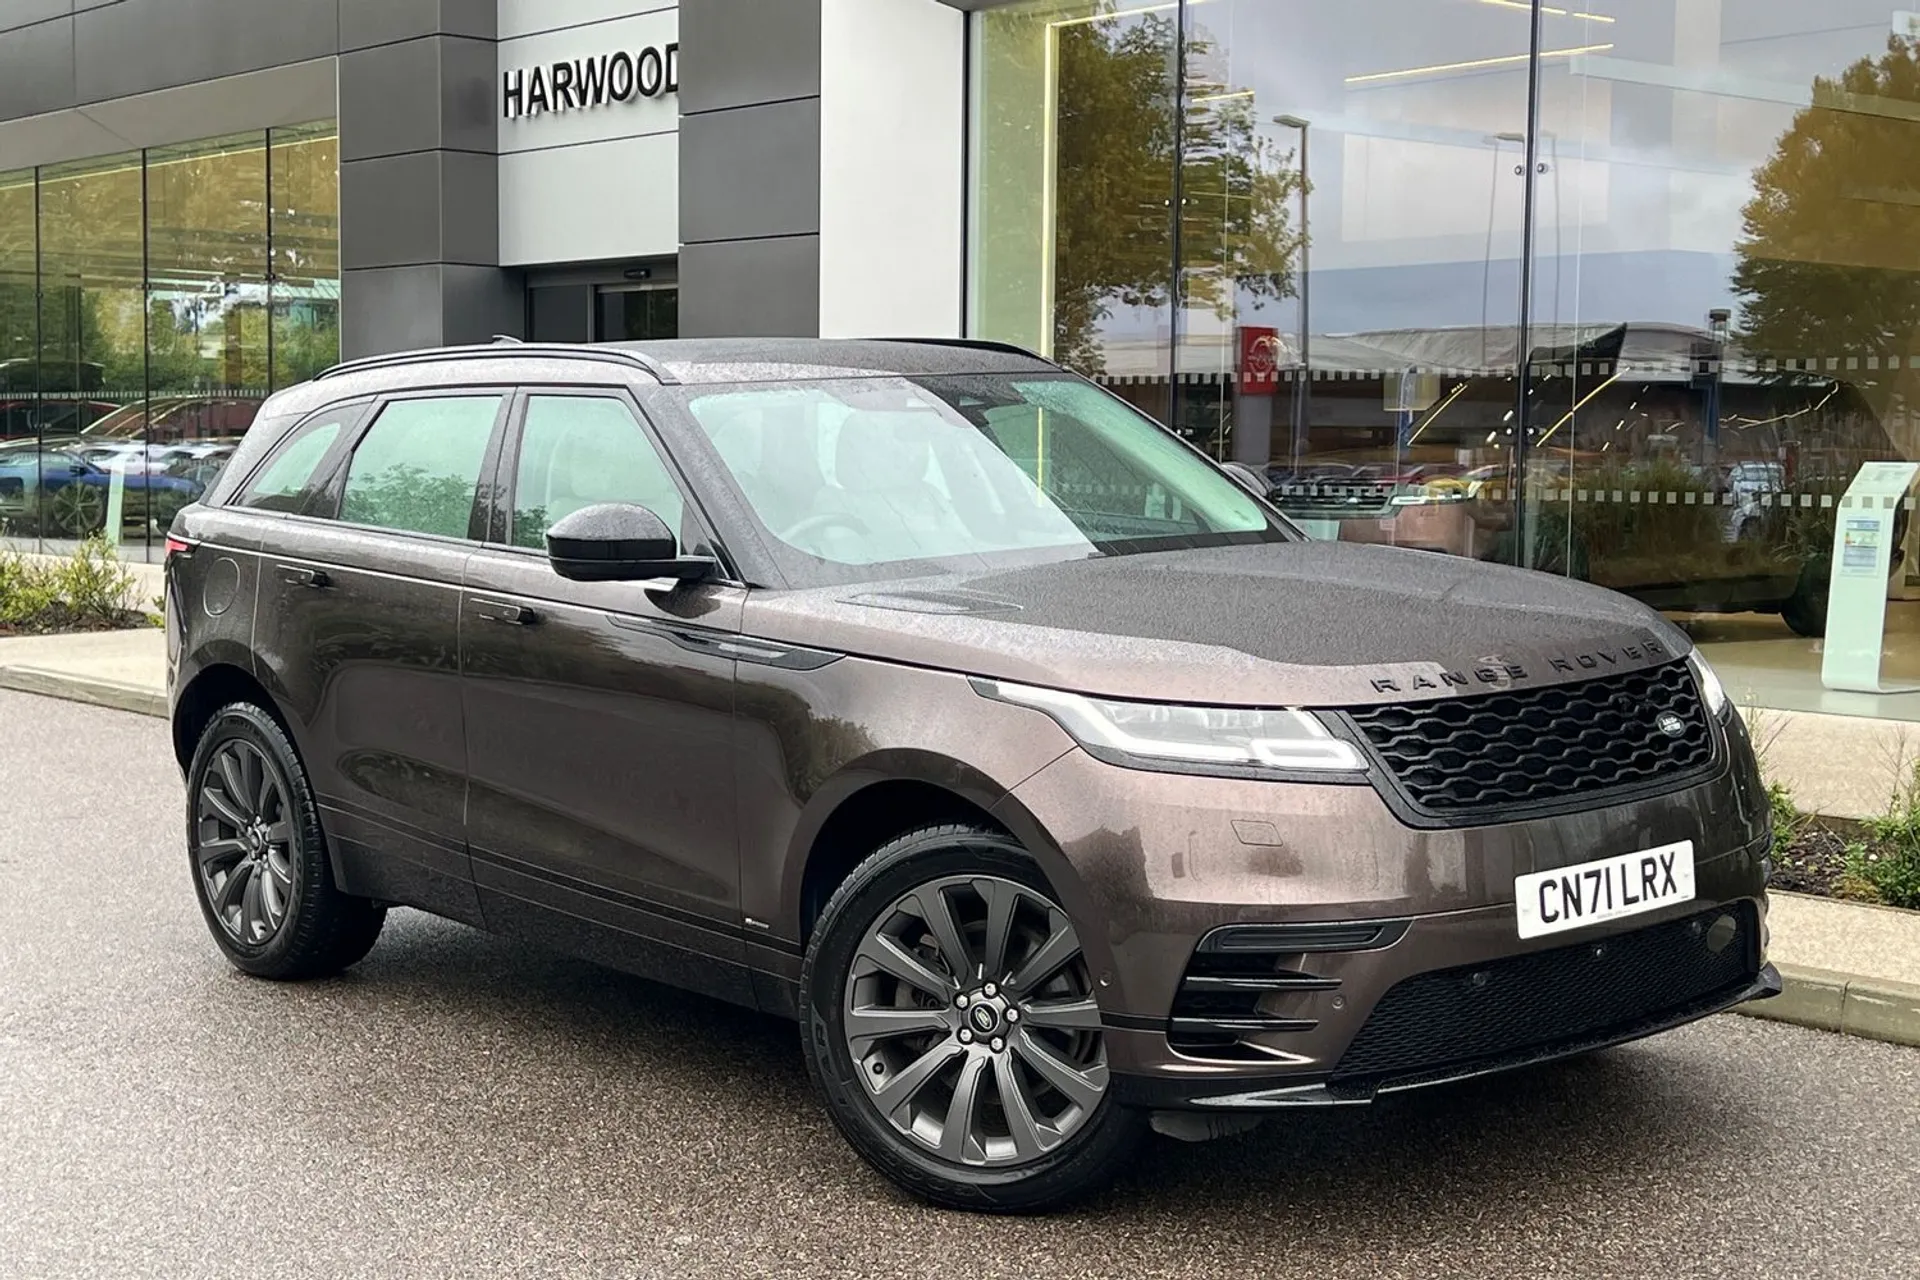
[(1623, 288)]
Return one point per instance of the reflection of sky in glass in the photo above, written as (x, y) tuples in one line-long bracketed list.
[(1650, 135)]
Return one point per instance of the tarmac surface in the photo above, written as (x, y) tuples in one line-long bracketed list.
[(462, 1106)]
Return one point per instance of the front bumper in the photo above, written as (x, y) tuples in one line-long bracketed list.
[(1159, 861), (1283, 1090)]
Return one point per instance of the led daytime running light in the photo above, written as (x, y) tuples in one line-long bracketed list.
[(1245, 737)]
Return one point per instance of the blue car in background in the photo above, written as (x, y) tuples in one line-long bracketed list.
[(56, 492)]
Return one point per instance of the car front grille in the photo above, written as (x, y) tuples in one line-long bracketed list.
[(1481, 757), (1451, 1022)]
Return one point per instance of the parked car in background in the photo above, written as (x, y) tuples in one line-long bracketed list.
[(927, 694), (59, 492)]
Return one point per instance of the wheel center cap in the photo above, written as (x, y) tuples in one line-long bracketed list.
[(984, 1018)]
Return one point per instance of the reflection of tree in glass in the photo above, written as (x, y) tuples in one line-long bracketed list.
[(1119, 132), (530, 527), (1827, 264), (407, 497)]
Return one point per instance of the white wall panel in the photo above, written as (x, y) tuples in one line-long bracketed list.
[(617, 199), (527, 17), (892, 168)]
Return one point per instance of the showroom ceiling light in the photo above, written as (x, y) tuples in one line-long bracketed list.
[(1558, 13), (1120, 13), (1440, 68)]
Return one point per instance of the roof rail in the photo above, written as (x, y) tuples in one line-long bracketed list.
[(506, 351), (977, 344)]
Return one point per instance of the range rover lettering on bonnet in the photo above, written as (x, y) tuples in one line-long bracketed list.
[(1499, 674)]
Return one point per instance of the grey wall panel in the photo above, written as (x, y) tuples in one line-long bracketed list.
[(139, 45), (390, 211), (18, 13), (434, 304), (469, 118), (750, 173), (426, 206), (736, 53), (751, 288), (370, 22), (469, 208), (396, 309), (418, 95), (479, 303), (36, 69), (390, 100)]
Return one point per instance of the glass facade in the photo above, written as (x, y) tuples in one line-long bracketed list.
[(148, 303), (1635, 302)]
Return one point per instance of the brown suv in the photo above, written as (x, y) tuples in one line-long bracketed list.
[(927, 694)]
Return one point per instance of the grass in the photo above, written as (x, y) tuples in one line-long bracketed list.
[(90, 590)]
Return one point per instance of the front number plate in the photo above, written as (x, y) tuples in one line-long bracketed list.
[(1609, 889)]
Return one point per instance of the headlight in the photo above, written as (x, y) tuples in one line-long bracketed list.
[(1711, 690), (1146, 734)]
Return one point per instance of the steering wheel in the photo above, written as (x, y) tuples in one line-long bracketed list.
[(825, 520)]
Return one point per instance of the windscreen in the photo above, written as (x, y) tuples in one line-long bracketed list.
[(885, 477)]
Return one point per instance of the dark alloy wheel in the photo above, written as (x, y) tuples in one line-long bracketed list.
[(77, 510), (245, 844), (952, 1024), (259, 859)]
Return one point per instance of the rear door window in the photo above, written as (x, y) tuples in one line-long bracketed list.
[(417, 469)]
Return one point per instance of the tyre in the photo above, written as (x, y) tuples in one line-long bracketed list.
[(259, 858), (1805, 612), (948, 1017)]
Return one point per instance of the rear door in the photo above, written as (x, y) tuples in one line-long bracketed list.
[(357, 636), (599, 715)]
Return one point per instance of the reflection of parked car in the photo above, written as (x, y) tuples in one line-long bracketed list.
[(60, 492), (1747, 482), (1640, 516)]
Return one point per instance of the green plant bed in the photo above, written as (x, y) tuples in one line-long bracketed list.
[(87, 591), (1874, 861)]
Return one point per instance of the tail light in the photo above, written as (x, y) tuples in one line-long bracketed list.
[(177, 545)]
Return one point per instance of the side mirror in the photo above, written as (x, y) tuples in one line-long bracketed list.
[(1249, 479), (619, 542)]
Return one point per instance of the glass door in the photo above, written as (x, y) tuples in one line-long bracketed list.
[(636, 312)]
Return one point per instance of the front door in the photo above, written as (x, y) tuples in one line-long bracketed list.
[(600, 810)]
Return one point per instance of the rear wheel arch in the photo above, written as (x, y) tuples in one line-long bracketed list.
[(212, 688)]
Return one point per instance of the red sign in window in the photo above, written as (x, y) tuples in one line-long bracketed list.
[(1259, 360)]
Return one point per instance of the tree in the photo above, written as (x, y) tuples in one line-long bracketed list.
[(1125, 144), (1828, 258)]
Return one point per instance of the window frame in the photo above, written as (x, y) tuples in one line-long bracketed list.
[(499, 486), (327, 501)]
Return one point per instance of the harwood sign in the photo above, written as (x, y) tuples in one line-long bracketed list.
[(574, 84)]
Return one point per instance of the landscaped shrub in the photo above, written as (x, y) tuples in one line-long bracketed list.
[(87, 591), (1888, 866)]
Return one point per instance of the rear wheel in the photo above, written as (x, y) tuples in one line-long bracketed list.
[(950, 1021), (259, 858), (77, 510)]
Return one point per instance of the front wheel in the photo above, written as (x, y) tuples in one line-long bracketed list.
[(259, 858), (949, 1019)]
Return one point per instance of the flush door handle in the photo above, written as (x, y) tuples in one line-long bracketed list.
[(514, 615)]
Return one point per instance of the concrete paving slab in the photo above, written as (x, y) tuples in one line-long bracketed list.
[(1867, 942), (1839, 766), (124, 669)]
